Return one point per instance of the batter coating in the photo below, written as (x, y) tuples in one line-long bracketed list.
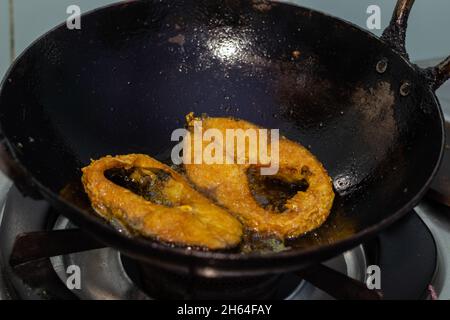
[(229, 185), (186, 218)]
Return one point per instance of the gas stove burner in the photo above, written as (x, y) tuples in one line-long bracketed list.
[(111, 275), (106, 274), (440, 188)]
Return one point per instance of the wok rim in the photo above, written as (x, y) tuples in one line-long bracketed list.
[(136, 246)]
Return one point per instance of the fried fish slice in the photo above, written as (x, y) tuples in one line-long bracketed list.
[(179, 215), (229, 185)]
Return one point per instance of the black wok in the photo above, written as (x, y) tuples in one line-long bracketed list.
[(126, 80)]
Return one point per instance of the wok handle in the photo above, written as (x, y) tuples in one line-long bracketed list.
[(395, 37), (395, 33), (439, 74), (14, 171)]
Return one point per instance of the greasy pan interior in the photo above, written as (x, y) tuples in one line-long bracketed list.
[(126, 80)]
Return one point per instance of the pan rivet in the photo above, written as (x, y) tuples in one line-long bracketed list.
[(382, 65), (405, 88)]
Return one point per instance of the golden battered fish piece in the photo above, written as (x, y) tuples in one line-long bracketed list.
[(228, 184), (190, 219)]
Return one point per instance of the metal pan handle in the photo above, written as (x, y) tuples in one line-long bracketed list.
[(395, 37), (439, 74), (395, 33)]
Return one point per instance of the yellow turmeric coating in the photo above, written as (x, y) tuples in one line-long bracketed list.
[(228, 184), (190, 220)]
